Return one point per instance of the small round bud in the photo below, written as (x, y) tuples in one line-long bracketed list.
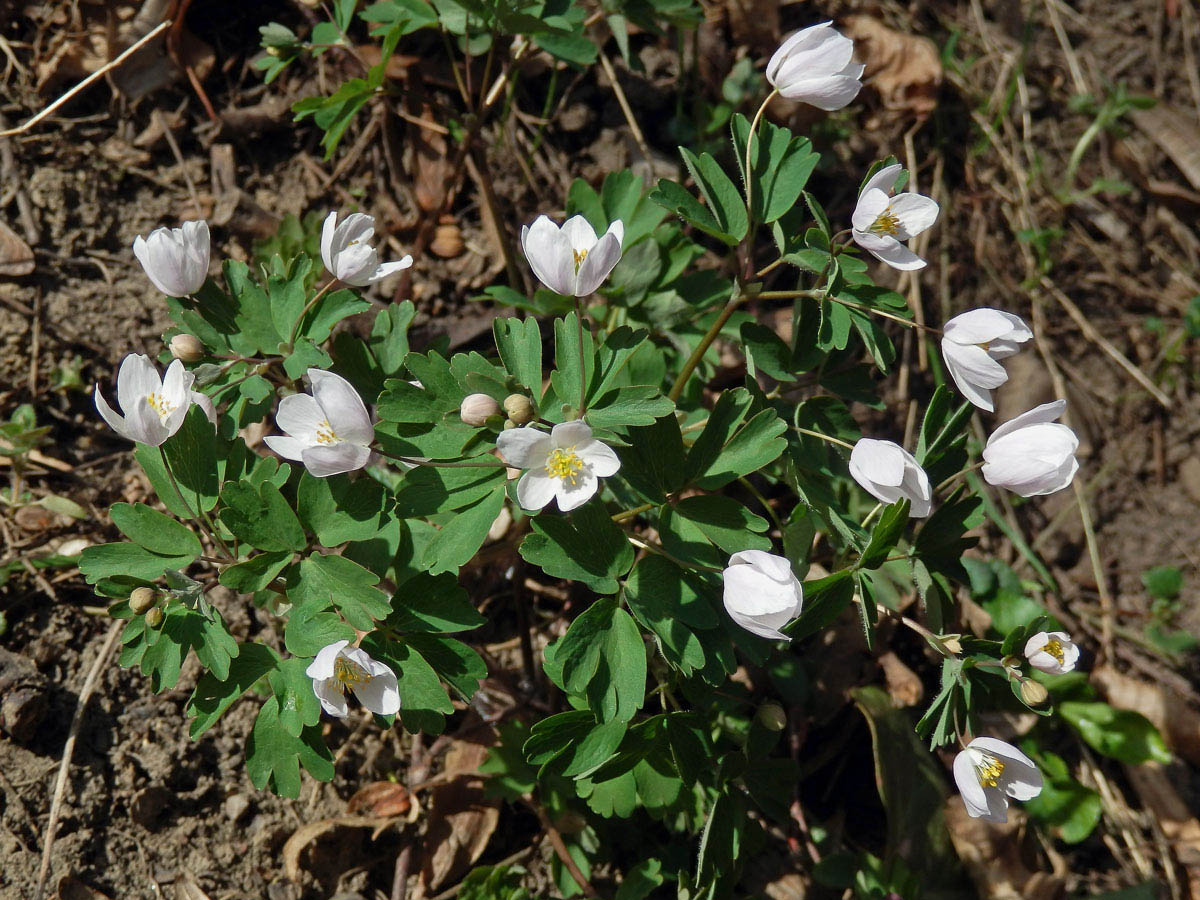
[(187, 347), (509, 423), (1033, 693), (154, 617), (476, 409), (771, 717), (142, 599), (519, 409)]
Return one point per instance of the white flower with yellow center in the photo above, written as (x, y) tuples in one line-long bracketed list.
[(347, 254), (988, 772), (339, 668), (328, 430), (565, 464), (1052, 652), (571, 260), (881, 222), (154, 408)]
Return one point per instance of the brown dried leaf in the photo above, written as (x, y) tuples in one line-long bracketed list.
[(903, 684), (16, 258), (461, 818), (311, 832), (70, 888), (1175, 135), (997, 860), (431, 165), (905, 69), (384, 799), (1179, 826), (187, 888)]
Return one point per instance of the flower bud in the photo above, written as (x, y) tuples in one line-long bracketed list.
[(508, 424), (476, 409), (154, 617), (142, 599), (952, 643), (187, 347), (1033, 693), (519, 409), (771, 717)]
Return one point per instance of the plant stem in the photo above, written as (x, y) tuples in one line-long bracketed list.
[(628, 514), (440, 463), (307, 308), (825, 437), (705, 342), (757, 494), (872, 514), (201, 519), (957, 475), (582, 367), (750, 143)]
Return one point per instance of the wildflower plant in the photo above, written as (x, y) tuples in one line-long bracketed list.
[(683, 515)]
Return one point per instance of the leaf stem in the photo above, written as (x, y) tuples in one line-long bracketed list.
[(825, 437), (307, 308), (201, 520), (441, 463), (689, 367), (582, 366), (749, 144)]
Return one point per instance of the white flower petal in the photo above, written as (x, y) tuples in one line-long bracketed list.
[(524, 448), (287, 447), (322, 665), (571, 496), (300, 415), (536, 489), (599, 263), (916, 212), (380, 695), (891, 251), (343, 408), (979, 326), (136, 378), (870, 204), (877, 462), (333, 701), (883, 180), (548, 253), (327, 231), (334, 459), (829, 93), (579, 233), (569, 434), (116, 422), (599, 457), (1047, 412)]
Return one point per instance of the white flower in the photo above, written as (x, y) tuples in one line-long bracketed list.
[(988, 770), (881, 221), (328, 430), (571, 260), (565, 464), (339, 666), (762, 594), (175, 259), (1032, 454), (348, 256), (1052, 652), (815, 66), (889, 473), (971, 344), (154, 408)]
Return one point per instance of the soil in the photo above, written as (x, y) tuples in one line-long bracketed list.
[(151, 813)]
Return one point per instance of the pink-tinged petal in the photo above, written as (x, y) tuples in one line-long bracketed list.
[(1047, 412), (524, 448), (343, 408), (108, 414), (599, 263), (579, 233), (322, 664), (548, 253), (333, 701), (916, 212), (599, 457), (136, 378), (300, 415), (883, 180), (205, 404), (535, 489), (870, 204), (877, 462), (327, 233), (334, 459), (287, 447), (571, 496), (829, 92), (380, 695)]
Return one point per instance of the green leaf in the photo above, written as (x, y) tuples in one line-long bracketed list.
[(519, 343), (1119, 733), (725, 522), (435, 604), (330, 579), (630, 405), (159, 652), (1071, 809), (338, 510), (619, 688), (1161, 582), (595, 748), (780, 166), (213, 696), (585, 545), (197, 458), (721, 195), (309, 629), (568, 379), (884, 536), (578, 651), (260, 516), (254, 574), (298, 703), (126, 559), (757, 443), (456, 663), (679, 200), (461, 536), (423, 700), (274, 755), (155, 531)]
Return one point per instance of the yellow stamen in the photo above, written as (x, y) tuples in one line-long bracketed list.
[(349, 673), (580, 256), (564, 464), (990, 769), (161, 405), (326, 434), (887, 222), (1055, 649)]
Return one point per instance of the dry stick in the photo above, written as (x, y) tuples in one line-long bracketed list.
[(623, 102), (560, 849), (60, 786), (99, 73), (1090, 332)]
